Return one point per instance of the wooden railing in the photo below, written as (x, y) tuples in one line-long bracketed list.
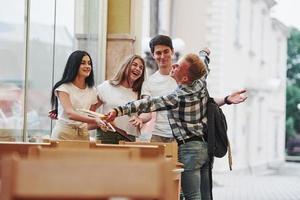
[(66, 179), (85, 151)]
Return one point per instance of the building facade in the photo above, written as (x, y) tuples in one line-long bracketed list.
[(249, 50)]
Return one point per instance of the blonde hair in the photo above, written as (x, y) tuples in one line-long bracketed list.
[(122, 74), (197, 68)]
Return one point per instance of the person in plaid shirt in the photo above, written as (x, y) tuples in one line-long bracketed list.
[(187, 117)]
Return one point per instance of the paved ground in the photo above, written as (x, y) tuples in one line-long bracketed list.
[(281, 183)]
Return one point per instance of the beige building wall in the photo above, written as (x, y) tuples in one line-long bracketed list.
[(123, 33)]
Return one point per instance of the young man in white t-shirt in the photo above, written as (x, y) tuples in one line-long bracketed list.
[(160, 84)]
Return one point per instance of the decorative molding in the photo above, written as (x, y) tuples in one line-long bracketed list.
[(120, 37), (277, 25), (270, 3)]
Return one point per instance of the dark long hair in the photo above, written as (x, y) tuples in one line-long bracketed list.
[(71, 71), (122, 74)]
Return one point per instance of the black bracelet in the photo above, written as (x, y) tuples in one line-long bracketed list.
[(227, 101)]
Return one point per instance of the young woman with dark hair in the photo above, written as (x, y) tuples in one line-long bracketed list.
[(74, 91)]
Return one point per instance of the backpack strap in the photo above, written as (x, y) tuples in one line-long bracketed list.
[(229, 156)]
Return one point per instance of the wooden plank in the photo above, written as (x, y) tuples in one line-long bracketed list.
[(91, 179), (146, 151), (171, 149), (83, 154), (20, 147)]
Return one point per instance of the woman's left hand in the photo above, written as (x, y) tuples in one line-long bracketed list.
[(52, 114), (136, 121)]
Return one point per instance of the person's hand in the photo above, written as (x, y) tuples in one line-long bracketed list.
[(237, 97), (111, 116), (206, 49), (101, 124), (136, 121), (53, 114)]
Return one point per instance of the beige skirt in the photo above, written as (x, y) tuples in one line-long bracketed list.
[(64, 131)]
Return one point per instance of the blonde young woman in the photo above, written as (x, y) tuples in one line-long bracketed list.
[(74, 91), (124, 87)]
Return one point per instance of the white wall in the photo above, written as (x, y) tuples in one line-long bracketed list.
[(247, 51)]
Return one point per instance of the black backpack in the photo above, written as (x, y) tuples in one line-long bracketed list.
[(217, 139)]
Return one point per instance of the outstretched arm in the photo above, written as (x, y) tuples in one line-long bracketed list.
[(204, 55), (144, 106), (234, 98)]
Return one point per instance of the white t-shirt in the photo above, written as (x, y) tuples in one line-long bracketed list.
[(80, 99), (113, 96), (160, 85)]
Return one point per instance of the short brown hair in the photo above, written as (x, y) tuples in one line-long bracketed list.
[(160, 40), (197, 67)]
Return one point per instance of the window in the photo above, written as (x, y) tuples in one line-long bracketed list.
[(12, 45), (34, 53), (251, 51), (237, 38)]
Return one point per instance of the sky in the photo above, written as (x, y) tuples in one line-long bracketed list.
[(288, 12)]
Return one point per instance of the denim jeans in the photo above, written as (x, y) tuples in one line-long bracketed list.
[(157, 138), (195, 178)]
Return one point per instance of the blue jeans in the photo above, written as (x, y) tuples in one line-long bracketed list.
[(195, 182)]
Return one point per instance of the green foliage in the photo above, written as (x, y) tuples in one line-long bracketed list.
[(290, 130), (293, 72), (293, 87), (292, 111)]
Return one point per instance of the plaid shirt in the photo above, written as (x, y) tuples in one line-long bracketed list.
[(186, 109)]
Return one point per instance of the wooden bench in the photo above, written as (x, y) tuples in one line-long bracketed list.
[(58, 179), (20, 147), (67, 149), (83, 154), (70, 143), (170, 149), (170, 152), (146, 151)]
